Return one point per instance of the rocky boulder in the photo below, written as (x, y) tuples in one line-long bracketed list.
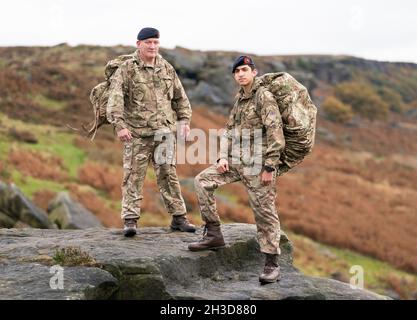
[(155, 264), (17, 210), (68, 214)]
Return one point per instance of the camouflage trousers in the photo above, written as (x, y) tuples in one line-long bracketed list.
[(136, 157), (261, 199)]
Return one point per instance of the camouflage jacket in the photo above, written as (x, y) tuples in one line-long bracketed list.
[(265, 116), (146, 98)]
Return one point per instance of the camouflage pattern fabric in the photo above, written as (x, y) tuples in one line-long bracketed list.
[(261, 199), (267, 120), (245, 116), (145, 99), (137, 155), (298, 115)]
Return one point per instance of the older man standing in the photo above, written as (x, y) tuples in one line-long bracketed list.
[(146, 98)]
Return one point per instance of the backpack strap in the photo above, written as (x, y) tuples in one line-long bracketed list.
[(127, 72), (258, 106)]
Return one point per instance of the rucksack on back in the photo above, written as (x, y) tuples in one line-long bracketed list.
[(100, 94), (298, 116)]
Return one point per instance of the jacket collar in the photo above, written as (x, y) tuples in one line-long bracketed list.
[(255, 86), (158, 62)]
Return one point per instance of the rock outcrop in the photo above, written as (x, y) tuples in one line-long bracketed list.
[(207, 75), (68, 214), (156, 264), (17, 210)]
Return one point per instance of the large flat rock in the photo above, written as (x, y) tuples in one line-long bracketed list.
[(155, 264)]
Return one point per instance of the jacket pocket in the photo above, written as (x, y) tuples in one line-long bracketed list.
[(138, 88), (137, 116)]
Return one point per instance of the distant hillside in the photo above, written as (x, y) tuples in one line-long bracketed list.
[(56, 81)]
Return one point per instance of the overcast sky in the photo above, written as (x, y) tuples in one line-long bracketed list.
[(374, 29)]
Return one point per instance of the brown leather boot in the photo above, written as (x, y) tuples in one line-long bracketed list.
[(271, 270), (182, 224), (212, 238), (130, 227)]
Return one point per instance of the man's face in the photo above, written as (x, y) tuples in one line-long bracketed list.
[(244, 75), (148, 48)]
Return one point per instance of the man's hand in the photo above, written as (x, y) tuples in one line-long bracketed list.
[(184, 130), (267, 177), (124, 135), (223, 166)]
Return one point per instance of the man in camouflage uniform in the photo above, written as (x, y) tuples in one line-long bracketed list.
[(146, 98), (255, 110)]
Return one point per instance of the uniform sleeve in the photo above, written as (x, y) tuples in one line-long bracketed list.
[(115, 104), (225, 142), (272, 121), (181, 104), (226, 135)]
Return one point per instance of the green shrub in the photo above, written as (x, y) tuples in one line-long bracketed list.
[(363, 99), (392, 98), (73, 256), (337, 111)]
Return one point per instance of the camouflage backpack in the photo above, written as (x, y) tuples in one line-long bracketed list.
[(100, 94), (298, 116)]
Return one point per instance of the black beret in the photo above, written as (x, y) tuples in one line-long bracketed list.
[(241, 61), (147, 33)]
